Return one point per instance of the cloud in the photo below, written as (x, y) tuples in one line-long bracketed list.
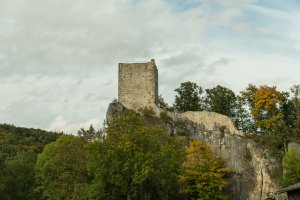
[(59, 58), (270, 12), (60, 123), (227, 15), (80, 36)]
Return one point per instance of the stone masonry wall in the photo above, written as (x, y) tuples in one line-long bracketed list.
[(138, 84)]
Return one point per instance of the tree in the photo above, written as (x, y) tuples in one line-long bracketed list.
[(18, 176), (90, 134), (163, 104), (242, 117), (268, 107), (134, 161), (188, 97), (295, 90), (18, 150), (245, 103), (61, 170), (203, 173), (291, 168), (221, 100), (248, 94), (289, 109)]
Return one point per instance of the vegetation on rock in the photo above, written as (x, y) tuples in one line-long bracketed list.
[(134, 157), (203, 173), (291, 168)]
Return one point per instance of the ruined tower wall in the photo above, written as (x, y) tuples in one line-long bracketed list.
[(138, 84)]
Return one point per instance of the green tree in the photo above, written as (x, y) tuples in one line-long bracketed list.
[(90, 134), (295, 100), (248, 94), (242, 117), (203, 173), (18, 149), (135, 161), (245, 104), (289, 110), (61, 170), (291, 168), (18, 176), (163, 104), (188, 97), (221, 100), (14, 139)]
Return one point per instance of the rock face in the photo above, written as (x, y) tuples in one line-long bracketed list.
[(250, 164), (295, 146), (211, 120)]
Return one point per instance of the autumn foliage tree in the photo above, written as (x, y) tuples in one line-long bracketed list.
[(267, 107), (203, 173)]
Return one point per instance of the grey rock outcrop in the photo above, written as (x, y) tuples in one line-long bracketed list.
[(251, 165), (295, 146)]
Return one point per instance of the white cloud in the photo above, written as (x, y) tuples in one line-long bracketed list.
[(271, 12), (68, 126), (59, 57), (227, 15)]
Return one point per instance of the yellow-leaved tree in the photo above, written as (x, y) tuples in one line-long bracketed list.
[(203, 173), (268, 107)]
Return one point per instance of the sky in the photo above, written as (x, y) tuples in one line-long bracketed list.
[(59, 58)]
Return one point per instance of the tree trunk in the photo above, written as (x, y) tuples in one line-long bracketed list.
[(128, 196), (129, 189)]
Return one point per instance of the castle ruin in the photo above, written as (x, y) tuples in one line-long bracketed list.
[(251, 179), (138, 84), (138, 89)]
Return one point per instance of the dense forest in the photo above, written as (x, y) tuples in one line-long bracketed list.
[(131, 158), (19, 148)]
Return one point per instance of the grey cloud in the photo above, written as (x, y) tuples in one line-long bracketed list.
[(202, 66), (197, 60), (56, 36), (222, 61), (58, 58)]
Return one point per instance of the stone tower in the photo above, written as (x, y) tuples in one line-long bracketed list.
[(138, 84)]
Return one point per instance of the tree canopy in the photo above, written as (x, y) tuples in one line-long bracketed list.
[(203, 173), (135, 161), (268, 107), (291, 168), (221, 100), (134, 157), (60, 170), (18, 150), (188, 97)]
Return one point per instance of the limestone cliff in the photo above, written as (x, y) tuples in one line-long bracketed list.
[(251, 165)]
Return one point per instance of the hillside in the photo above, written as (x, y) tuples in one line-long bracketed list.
[(19, 148)]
